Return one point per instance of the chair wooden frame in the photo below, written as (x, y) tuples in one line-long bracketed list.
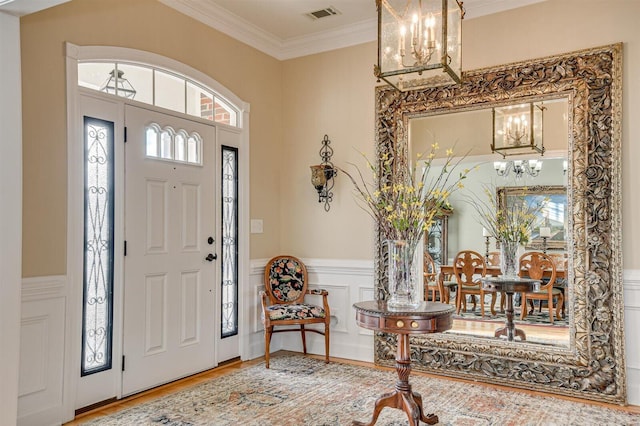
[(435, 283), (269, 299), (534, 264), (466, 265)]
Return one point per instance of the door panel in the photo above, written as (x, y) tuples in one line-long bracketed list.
[(170, 311)]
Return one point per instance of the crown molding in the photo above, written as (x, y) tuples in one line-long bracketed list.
[(209, 13), (477, 9), (234, 26)]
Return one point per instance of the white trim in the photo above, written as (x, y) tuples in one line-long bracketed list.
[(215, 16), (42, 288), (326, 266), (75, 219), (219, 18), (10, 214), (631, 278), (88, 53)]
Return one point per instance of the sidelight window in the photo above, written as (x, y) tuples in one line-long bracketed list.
[(229, 241), (98, 246)]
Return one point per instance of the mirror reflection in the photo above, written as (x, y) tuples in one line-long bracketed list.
[(532, 165)]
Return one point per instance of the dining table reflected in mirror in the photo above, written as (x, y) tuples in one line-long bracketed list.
[(590, 144), (527, 176)]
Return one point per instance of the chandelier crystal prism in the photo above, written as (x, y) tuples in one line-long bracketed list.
[(419, 43)]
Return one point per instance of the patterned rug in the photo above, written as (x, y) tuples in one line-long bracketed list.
[(539, 316), (298, 390)]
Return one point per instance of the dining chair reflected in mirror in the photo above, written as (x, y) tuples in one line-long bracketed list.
[(435, 286), (285, 283), (540, 266), (493, 258), (468, 268)]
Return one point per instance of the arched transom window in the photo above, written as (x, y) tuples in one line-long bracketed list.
[(155, 86)]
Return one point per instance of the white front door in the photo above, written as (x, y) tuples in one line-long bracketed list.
[(170, 267)]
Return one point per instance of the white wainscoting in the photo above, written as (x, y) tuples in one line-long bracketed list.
[(42, 339), (632, 343), (348, 282), (44, 306)]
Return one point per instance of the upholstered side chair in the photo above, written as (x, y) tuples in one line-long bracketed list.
[(285, 283)]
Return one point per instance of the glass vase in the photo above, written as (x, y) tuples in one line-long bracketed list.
[(509, 258), (403, 291)]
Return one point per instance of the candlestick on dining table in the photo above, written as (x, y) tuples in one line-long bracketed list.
[(545, 232), (486, 234)]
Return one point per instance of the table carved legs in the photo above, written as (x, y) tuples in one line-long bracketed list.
[(402, 397)]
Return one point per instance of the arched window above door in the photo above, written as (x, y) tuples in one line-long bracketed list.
[(159, 87)]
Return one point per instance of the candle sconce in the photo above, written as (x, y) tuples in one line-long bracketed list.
[(322, 175)]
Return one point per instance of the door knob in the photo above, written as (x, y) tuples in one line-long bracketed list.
[(211, 257)]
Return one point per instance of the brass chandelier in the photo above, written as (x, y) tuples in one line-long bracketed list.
[(419, 43)]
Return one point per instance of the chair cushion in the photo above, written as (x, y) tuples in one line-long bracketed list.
[(470, 287), (295, 312), (555, 291), (445, 284), (286, 280)]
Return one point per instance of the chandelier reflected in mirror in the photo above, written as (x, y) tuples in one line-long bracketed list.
[(518, 167), (517, 129), (419, 43)]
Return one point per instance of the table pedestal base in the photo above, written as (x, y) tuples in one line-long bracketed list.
[(510, 331), (402, 398)]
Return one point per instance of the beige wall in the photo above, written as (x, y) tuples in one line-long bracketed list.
[(332, 94), (315, 104), (293, 105), (150, 26)]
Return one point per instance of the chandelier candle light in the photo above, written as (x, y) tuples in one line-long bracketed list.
[(419, 43)]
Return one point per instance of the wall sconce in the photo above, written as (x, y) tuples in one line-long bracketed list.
[(517, 129), (419, 43), (322, 175)]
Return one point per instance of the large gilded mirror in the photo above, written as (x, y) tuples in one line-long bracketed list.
[(529, 176), (582, 353)]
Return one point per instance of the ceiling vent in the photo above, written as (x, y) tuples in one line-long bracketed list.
[(323, 13)]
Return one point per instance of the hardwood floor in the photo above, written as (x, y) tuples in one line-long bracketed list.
[(536, 333), (181, 384)]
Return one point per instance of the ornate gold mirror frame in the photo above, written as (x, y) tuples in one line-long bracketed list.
[(593, 366)]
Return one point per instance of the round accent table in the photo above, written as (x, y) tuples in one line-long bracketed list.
[(428, 317), (509, 286)]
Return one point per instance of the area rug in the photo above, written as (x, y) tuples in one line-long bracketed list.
[(300, 390), (537, 317)]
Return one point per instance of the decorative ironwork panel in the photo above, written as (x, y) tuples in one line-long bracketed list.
[(229, 241), (98, 243), (593, 367)]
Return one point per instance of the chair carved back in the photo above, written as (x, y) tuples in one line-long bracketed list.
[(429, 266), (468, 265), (285, 280), (536, 265), (494, 258)]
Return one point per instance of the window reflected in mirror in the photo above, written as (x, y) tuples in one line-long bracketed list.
[(537, 174)]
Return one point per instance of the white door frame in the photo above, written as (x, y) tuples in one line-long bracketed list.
[(75, 203)]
